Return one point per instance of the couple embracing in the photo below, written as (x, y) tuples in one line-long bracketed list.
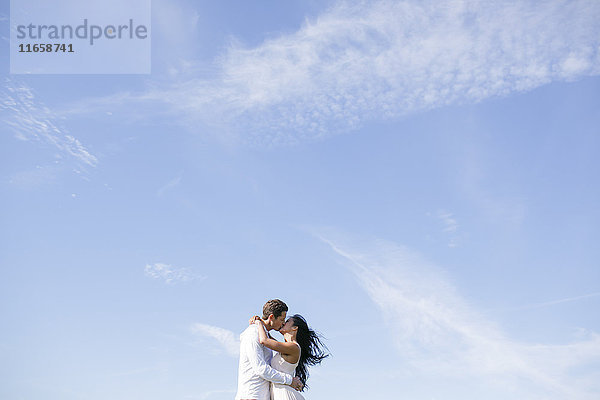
[(263, 375)]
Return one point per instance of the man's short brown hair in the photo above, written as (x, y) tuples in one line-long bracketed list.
[(275, 307)]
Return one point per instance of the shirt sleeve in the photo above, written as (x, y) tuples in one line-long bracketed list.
[(254, 351)]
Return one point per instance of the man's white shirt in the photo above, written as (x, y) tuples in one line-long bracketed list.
[(255, 371)]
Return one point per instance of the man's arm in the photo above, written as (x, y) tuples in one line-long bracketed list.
[(255, 354)]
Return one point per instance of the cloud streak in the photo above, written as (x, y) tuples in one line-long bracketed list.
[(441, 335), (32, 121), (226, 339), (384, 59), (173, 183), (450, 226), (561, 301), (170, 274)]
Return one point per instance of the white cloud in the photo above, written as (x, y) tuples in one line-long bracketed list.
[(30, 120), (385, 59), (226, 339), (170, 274), (442, 336)]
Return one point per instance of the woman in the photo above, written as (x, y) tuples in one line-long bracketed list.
[(302, 347)]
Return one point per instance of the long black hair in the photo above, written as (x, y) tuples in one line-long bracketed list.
[(311, 348)]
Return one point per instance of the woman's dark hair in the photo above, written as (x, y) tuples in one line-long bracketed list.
[(311, 347)]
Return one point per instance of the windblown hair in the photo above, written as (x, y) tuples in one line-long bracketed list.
[(311, 348), (275, 307)]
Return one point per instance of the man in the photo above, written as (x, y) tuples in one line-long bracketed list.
[(255, 372)]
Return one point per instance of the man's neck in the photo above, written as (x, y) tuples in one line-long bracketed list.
[(267, 326)]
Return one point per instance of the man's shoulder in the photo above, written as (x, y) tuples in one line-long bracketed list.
[(249, 332)]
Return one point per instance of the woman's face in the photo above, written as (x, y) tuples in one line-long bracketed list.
[(288, 326)]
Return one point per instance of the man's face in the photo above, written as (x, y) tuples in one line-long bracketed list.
[(278, 322)]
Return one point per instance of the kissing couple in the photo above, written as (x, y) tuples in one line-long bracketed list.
[(263, 375)]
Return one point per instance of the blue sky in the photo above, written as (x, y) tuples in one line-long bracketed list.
[(419, 180)]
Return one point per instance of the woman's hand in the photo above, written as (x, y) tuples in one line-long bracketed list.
[(254, 319)]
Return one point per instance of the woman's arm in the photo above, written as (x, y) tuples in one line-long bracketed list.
[(282, 347)]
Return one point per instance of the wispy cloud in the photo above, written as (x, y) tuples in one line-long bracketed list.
[(449, 226), (168, 186), (226, 339), (33, 178), (171, 274), (31, 120), (174, 33), (477, 179), (450, 223), (560, 301), (385, 59), (441, 335)]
